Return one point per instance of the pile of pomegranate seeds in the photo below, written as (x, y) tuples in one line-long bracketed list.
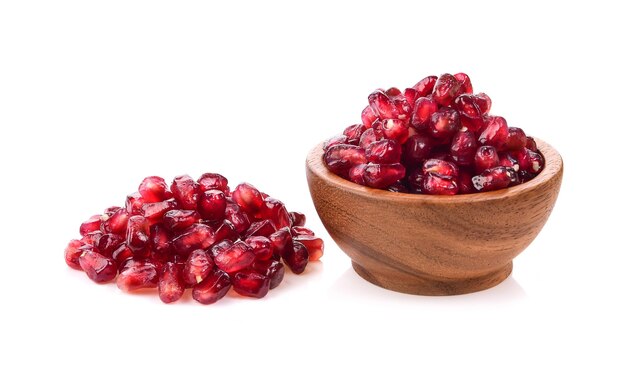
[(436, 137), (195, 234)]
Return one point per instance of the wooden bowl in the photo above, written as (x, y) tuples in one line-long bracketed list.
[(433, 245)]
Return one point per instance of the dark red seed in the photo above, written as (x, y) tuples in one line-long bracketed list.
[(159, 240), (444, 123), (301, 231), (138, 275), (153, 189), (134, 203), (248, 197), (537, 162), (197, 267), (416, 149), (367, 138), (531, 144), (314, 246), (296, 257), (446, 89), (434, 184), (507, 160), (469, 111), (494, 178), (251, 284), (226, 230), (484, 102), (198, 236), (486, 157), (90, 225), (210, 181), (273, 269), (107, 243), (234, 258), (384, 151), (357, 174), (177, 220), (116, 223), (383, 175), (275, 211), (464, 181), (368, 116), (382, 106), (261, 246), (466, 83), (212, 204), (425, 86), (297, 218), (398, 188), (73, 251), (261, 228), (516, 139), (353, 133), (137, 233), (341, 158), (463, 148), (415, 180), (170, 284), (185, 191), (411, 95), (440, 168), (91, 238), (394, 129), (339, 139), (281, 240), (122, 254), (98, 268), (213, 288), (154, 212)]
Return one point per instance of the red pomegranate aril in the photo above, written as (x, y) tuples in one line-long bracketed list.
[(159, 240), (469, 112), (484, 102), (357, 174), (440, 168), (226, 230), (368, 116), (170, 285), (435, 184), (185, 191), (416, 149), (122, 254), (384, 151), (394, 129), (446, 89), (210, 181), (153, 212), (424, 107), (531, 144), (537, 162), (297, 218), (339, 139), (177, 220), (137, 233), (486, 157), (444, 123), (273, 269), (463, 148), (494, 178), (251, 284), (296, 257), (248, 197), (382, 106), (91, 238), (341, 158), (516, 139), (314, 246), (116, 223), (495, 133), (425, 86), (464, 182), (507, 160), (383, 175), (212, 204), (275, 211), (197, 267), (261, 246), (73, 251), (107, 243), (466, 83), (90, 225), (353, 133), (415, 180), (367, 138), (301, 231), (154, 189), (281, 240), (239, 218), (98, 268), (213, 288), (234, 258), (198, 236), (138, 275), (134, 202), (523, 159), (411, 96), (261, 228)]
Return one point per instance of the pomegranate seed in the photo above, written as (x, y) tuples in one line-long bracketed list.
[(275, 211), (367, 138), (463, 148), (435, 184), (383, 175), (440, 168), (416, 149), (213, 288), (248, 197), (107, 243), (235, 215), (314, 246), (411, 95), (469, 112), (261, 228), (137, 233), (178, 220), (516, 139), (466, 84), (116, 223), (537, 162), (415, 180), (234, 258), (159, 240), (153, 189), (251, 284), (398, 188), (272, 269), (383, 151), (486, 157), (494, 178), (73, 251), (425, 86), (153, 212), (170, 284), (210, 181), (297, 218), (507, 160), (197, 236), (296, 257), (531, 144), (353, 133), (91, 238), (212, 204), (444, 123), (484, 102), (90, 225), (138, 275), (357, 174), (301, 231), (185, 191), (464, 181), (446, 89), (281, 240), (226, 230), (339, 139), (261, 246), (368, 116), (424, 108), (382, 106), (98, 268), (341, 158), (394, 129), (197, 267), (122, 254), (134, 203)]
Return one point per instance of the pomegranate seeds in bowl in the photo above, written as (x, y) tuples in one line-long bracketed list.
[(436, 137), (198, 235)]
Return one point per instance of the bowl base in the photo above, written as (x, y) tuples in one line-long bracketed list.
[(412, 284)]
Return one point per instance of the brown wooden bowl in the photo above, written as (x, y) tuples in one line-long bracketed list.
[(433, 245)]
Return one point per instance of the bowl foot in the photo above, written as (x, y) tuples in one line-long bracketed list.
[(422, 285)]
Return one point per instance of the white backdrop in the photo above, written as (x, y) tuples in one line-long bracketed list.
[(96, 95)]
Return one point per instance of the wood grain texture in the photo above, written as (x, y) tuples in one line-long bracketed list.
[(433, 245)]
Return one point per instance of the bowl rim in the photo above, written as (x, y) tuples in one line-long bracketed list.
[(553, 167)]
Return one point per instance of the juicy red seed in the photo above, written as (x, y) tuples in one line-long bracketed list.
[(210, 181), (153, 212), (107, 243), (109, 211), (466, 83), (423, 109), (212, 205), (138, 275), (97, 267), (177, 220), (296, 257), (415, 180), (486, 157), (281, 240), (314, 246), (495, 133), (153, 189), (368, 116), (137, 233), (159, 240), (73, 251), (357, 174), (382, 106), (523, 159), (238, 218), (383, 175), (494, 178), (248, 197), (434, 184), (91, 238), (383, 151), (464, 181), (115, 223), (90, 225), (469, 112), (185, 191), (507, 160), (339, 139), (213, 288), (341, 158), (393, 92), (416, 149), (170, 285), (411, 95), (394, 129), (198, 236), (516, 139), (261, 246), (398, 188), (531, 144), (275, 211), (226, 230), (261, 228), (251, 284), (234, 258), (301, 231), (297, 218), (134, 202), (353, 133), (367, 138), (197, 267), (537, 162), (463, 147), (425, 86), (273, 269), (122, 254), (484, 102), (446, 89), (440, 168), (444, 123)]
